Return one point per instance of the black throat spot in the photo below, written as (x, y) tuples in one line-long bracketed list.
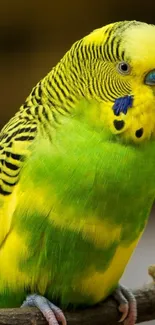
[(139, 133)]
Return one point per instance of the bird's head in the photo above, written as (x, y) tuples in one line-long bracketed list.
[(115, 66)]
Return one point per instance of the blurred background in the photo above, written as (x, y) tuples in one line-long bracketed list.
[(33, 37)]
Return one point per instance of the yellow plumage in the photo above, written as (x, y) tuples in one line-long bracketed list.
[(74, 163)]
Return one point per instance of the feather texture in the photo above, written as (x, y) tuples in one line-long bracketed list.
[(73, 175)]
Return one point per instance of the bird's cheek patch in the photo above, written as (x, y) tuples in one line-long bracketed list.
[(122, 105)]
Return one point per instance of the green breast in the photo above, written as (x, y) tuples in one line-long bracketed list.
[(98, 193)]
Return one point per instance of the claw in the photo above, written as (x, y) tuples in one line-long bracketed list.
[(124, 309), (127, 305), (52, 313)]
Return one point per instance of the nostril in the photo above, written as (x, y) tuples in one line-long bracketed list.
[(139, 133)]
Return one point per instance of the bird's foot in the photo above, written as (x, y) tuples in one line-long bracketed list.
[(127, 305), (52, 313)]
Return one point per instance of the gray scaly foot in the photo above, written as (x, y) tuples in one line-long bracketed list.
[(52, 313), (127, 305)]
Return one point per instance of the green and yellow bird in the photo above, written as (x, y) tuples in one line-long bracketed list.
[(77, 175)]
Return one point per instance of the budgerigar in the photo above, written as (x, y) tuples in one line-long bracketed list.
[(77, 175)]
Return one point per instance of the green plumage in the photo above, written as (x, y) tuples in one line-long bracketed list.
[(75, 193), (91, 173)]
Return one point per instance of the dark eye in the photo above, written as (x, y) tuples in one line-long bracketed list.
[(123, 68)]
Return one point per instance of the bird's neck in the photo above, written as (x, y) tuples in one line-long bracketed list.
[(65, 85)]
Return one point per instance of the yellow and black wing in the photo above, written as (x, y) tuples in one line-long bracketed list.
[(15, 139)]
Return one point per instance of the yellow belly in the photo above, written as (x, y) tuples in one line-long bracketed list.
[(98, 285)]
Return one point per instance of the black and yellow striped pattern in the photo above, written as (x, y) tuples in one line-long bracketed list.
[(87, 70)]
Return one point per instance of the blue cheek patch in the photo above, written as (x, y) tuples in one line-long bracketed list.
[(122, 104)]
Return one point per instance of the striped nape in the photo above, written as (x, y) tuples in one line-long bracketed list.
[(112, 47)]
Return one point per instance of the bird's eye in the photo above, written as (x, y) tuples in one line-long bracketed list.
[(123, 68)]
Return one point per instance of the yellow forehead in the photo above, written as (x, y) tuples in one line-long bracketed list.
[(139, 45)]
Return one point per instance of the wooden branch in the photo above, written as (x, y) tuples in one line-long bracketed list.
[(105, 313)]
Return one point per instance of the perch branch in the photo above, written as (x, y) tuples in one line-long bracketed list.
[(105, 313)]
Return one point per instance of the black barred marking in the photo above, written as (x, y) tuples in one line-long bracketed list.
[(90, 91), (39, 90), (82, 50), (61, 89), (115, 87), (93, 51), (98, 88), (55, 90), (11, 166), (3, 192), (50, 100), (8, 154), (76, 46), (16, 156), (107, 94), (123, 55), (8, 137), (36, 110), (11, 176), (48, 91), (8, 175), (62, 79), (118, 57), (112, 48), (100, 50), (25, 137), (10, 184), (33, 91), (39, 118), (106, 45), (105, 53), (125, 87), (111, 92), (9, 145), (29, 129), (11, 128), (74, 75), (25, 105), (89, 51), (106, 31), (78, 58), (70, 99), (3, 136), (110, 31), (45, 114)]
